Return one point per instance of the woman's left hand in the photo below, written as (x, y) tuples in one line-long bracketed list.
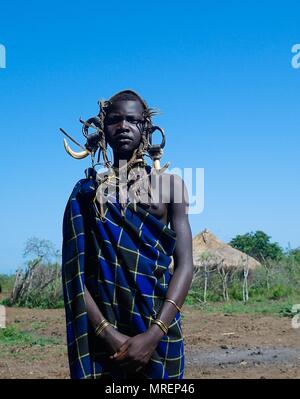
[(136, 352)]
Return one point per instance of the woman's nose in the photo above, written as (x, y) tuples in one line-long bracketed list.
[(123, 124)]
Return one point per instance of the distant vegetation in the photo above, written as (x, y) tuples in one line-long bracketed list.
[(258, 245), (39, 284), (272, 287), (275, 282), (12, 335), (6, 284)]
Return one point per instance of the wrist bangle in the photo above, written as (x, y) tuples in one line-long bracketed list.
[(174, 303), (101, 326), (161, 325)]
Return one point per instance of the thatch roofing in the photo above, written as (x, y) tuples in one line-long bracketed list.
[(210, 251)]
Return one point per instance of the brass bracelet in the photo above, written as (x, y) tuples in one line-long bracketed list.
[(99, 330), (101, 327), (161, 325), (174, 303), (100, 324)]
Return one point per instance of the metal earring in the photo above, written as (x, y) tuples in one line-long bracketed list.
[(156, 150)]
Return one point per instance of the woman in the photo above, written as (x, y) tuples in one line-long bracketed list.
[(122, 301)]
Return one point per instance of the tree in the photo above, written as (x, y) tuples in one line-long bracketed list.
[(258, 246), (296, 254), (40, 249)]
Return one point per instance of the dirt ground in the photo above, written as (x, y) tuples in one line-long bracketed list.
[(216, 346)]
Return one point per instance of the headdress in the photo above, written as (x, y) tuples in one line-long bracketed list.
[(96, 144)]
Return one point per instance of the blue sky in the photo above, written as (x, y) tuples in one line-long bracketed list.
[(220, 72)]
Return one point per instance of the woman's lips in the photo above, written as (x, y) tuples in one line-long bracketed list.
[(124, 139)]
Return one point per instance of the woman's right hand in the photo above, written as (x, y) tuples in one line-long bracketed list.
[(113, 339)]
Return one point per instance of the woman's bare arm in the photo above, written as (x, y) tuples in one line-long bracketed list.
[(183, 255)]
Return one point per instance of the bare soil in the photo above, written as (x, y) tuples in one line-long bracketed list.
[(216, 346)]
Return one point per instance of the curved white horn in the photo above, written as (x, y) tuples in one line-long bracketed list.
[(74, 154)]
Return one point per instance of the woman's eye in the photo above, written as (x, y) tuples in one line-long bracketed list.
[(134, 120), (111, 120)]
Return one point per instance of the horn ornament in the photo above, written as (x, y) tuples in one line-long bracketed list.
[(74, 154)]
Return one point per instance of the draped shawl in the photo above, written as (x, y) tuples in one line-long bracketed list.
[(124, 261)]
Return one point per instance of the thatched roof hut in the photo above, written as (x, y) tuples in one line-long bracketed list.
[(209, 251)]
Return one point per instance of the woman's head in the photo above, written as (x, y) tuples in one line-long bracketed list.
[(126, 123)]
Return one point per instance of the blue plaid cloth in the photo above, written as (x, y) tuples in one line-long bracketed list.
[(124, 262)]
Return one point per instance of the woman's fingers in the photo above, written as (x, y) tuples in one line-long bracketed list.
[(123, 347), (120, 355), (122, 350)]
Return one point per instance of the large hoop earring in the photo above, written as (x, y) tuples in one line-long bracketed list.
[(156, 150)]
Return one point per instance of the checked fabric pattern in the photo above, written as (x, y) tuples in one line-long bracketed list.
[(124, 263)]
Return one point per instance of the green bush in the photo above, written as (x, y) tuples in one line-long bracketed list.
[(235, 292), (7, 283), (5, 302), (274, 281), (43, 300), (280, 291)]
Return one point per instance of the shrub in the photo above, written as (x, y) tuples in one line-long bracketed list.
[(277, 280)]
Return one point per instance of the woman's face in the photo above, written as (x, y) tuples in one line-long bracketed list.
[(123, 126)]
